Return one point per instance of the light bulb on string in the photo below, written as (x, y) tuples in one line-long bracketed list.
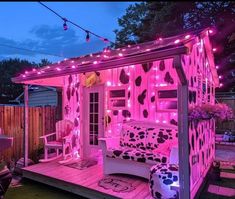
[(106, 40), (87, 36), (65, 24)]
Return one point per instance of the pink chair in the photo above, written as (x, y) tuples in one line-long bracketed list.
[(62, 141)]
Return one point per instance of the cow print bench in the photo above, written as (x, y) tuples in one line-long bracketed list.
[(140, 146), (162, 177)]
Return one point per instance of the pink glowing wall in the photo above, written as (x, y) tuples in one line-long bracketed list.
[(201, 135), (71, 106), (141, 83)]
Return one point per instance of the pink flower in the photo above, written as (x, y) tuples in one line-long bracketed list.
[(218, 111)]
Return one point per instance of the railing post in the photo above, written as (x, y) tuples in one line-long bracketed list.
[(183, 135), (26, 125)]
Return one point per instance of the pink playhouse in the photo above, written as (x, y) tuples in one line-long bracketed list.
[(127, 111)]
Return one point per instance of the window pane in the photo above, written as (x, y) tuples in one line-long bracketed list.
[(91, 97), (91, 127), (96, 97), (96, 128), (168, 105), (91, 139), (118, 103), (96, 140), (96, 108), (91, 118), (117, 93), (96, 118), (91, 108), (167, 94)]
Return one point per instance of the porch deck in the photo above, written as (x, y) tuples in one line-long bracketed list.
[(84, 182)]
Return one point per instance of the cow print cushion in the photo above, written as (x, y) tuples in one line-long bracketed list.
[(157, 138), (133, 136), (137, 155), (162, 176)]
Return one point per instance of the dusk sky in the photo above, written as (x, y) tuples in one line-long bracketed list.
[(30, 25)]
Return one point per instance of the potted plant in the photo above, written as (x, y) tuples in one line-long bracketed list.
[(218, 111)]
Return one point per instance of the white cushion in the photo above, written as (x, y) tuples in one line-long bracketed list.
[(174, 155)]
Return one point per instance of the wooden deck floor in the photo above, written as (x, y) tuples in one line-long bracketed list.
[(84, 182)]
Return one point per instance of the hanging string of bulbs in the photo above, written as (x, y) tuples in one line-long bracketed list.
[(65, 26)]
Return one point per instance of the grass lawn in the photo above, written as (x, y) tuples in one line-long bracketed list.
[(34, 190)]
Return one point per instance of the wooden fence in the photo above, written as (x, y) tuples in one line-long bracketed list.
[(41, 121)]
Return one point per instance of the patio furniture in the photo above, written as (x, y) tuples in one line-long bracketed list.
[(140, 146), (5, 180), (5, 141), (5, 174), (164, 181), (59, 140)]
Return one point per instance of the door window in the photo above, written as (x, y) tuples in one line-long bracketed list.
[(93, 118)]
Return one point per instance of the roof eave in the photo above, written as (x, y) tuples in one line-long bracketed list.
[(109, 64)]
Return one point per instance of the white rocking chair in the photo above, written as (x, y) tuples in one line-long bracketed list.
[(63, 141)]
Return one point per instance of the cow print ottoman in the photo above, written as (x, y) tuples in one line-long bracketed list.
[(162, 177)]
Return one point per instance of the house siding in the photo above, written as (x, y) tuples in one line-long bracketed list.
[(43, 98)]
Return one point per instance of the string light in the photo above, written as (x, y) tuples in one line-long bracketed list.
[(87, 36), (119, 54), (187, 37), (105, 40), (65, 24), (177, 41)]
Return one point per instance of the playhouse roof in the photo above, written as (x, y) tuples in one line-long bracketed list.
[(113, 58)]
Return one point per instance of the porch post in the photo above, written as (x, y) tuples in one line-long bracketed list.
[(183, 133), (26, 123)]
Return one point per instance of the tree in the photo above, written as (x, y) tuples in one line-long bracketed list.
[(10, 68), (150, 20)]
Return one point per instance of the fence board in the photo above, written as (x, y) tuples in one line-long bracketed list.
[(41, 121)]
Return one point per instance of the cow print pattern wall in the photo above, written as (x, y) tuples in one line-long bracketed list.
[(71, 100), (142, 80), (201, 134)]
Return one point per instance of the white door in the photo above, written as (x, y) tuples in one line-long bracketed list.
[(93, 118)]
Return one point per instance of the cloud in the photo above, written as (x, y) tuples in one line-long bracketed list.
[(52, 40)]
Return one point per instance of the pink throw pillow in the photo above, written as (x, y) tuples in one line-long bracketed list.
[(164, 151)]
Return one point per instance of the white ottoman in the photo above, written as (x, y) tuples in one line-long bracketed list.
[(162, 178)]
